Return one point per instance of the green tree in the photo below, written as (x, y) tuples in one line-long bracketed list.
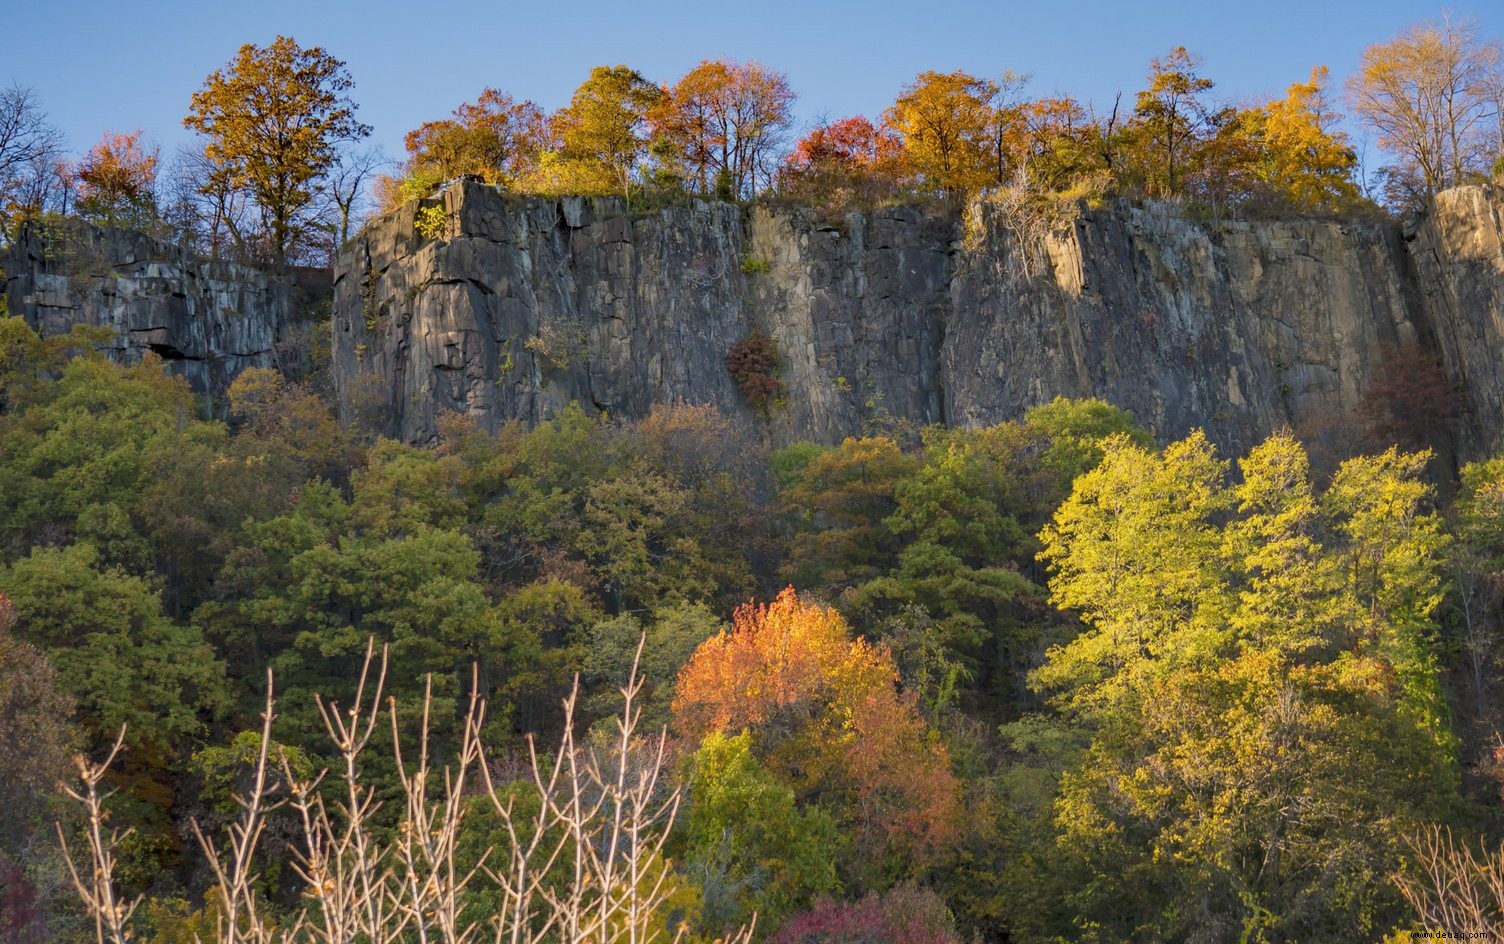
[(1076, 429), (75, 461), (123, 663), (1276, 688), (758, 852), (843, 498), (273, 118), (670, 635), (957, 518), (36, 733)]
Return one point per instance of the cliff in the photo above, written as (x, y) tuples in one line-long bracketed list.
[(517, 307), (1457, 254), (208, 320)]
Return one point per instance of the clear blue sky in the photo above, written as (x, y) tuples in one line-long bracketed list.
[(104, 66)]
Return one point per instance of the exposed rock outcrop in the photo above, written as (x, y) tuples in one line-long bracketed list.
[(520, 306), (208, 320), (1457, 251), (1238, 328)]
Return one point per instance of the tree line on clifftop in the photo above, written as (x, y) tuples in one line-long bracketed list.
[(282, 174)]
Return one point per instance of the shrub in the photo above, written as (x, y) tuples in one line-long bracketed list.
[(753, 364), (904, 915), (429, 221)]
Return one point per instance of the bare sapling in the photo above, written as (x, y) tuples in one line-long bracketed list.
[(586, 864), (110, 912)]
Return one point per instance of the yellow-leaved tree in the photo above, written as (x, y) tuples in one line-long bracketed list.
[(1305, 162), (273, 117), (946, 121), (602, 133)]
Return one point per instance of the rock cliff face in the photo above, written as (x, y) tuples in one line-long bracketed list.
[(1457, 252), (208, 320), (517, 307), (520, 307), (1239, 328)]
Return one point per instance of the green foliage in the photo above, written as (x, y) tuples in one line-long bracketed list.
[(754, 265), (1222, 717), (669, 637), (36, 735), (122, 662), (228, 772), (429, 221), (788, 464), (760, 854), (116, 654), (1256, 686), (1076, 428)]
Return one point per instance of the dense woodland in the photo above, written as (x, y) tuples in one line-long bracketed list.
[(622, 681)]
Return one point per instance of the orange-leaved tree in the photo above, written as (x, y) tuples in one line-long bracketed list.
[(826, 716), (117, 180), (726, 121), (496, 138), (843, 161)]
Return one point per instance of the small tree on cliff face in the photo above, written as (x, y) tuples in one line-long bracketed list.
[(272, 117)]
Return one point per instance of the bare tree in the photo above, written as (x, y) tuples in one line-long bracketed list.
[(206, 216), (111, 912), (348, 188), (1431, 95), (31, 151), (585, 865), (1453, 888)]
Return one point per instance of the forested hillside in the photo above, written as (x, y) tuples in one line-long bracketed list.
[(642, 670), (1040, 679)]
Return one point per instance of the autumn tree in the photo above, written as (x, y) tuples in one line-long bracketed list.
[(602, 134), (117, 181), (1173, 114), (826, 715), (844, 161), (1430, 94), (495, 138), (1257, 674), (945, 120), (1305, 162), (1054, 143), (726, 120), (273, 118)]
